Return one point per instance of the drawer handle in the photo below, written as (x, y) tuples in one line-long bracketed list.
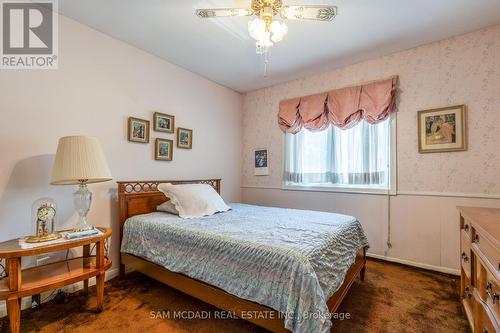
[(489, 290), (485, 330), (464, 257), (476, 239), (466, 228), (467, 292)]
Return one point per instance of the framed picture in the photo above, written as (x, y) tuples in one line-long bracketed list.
[(184, 138), (138, 130), (163, 122), (442, 130), (164, 149), (261, 167)]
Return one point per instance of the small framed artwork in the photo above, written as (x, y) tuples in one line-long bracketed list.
[(138, 130), (184, 138), (261, 167), (442, 130), (163, 122), (164, 149)]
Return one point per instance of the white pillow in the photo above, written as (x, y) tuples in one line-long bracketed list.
[(194, 200), (167, 207)]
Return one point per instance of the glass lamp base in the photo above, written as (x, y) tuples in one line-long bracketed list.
[(82, 200), (83, 226)]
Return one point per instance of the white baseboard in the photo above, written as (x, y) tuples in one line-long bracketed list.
[(26, 301), (415, 264)]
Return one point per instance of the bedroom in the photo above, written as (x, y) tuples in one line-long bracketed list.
[(404, 120)]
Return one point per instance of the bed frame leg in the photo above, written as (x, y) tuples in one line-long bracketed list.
[(122, 271), (363, 270)]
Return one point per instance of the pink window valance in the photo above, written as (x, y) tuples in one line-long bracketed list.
[(372, 102)]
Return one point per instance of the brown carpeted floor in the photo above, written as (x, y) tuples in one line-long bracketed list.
[(393, 298)]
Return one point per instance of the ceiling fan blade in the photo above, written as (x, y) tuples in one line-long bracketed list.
[(222, 12), (309, 12)]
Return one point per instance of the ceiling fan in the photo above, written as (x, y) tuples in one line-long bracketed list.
[(265, 29)]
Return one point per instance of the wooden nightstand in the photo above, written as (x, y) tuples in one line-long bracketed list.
[(34, 280)]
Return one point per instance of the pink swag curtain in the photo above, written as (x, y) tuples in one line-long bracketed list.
[(344, 108)]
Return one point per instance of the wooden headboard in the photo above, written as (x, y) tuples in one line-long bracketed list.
[(142, 196)]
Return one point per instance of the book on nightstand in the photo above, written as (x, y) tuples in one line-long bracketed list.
[(82, 234)]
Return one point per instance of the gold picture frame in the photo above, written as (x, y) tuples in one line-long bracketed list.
[(184, 138), (442, 129), (164, 149), (163, 122), (138, 130)]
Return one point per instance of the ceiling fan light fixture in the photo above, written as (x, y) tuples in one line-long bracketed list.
[(257, 28), (278, 30), (266, 34), (264, 29)]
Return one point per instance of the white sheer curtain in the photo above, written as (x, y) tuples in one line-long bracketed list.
[(345, 157)]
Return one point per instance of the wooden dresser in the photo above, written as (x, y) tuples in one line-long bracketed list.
[(480, 267)]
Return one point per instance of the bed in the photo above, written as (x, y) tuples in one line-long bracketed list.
[(282, 269)]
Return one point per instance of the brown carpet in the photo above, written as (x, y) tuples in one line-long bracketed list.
[(393, 298)]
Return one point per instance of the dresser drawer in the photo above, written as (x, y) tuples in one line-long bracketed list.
[(467, 227), (466, 288), (488, 250), (467, 299), (484, 322), (488, 288), (465, 253), (479, 267)]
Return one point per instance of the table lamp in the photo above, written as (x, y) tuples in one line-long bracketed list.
[(80, 161)]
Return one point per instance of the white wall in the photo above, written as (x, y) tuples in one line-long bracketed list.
[(100, 82), (460, 70)]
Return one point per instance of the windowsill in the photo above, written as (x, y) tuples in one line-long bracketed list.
[(339, 189)]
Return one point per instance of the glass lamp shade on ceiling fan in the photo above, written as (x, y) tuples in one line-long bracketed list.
[(265, 38), (278, 31)]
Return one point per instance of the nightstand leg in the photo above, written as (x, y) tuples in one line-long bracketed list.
[(86, 254), (363, 270), (100, 291), (13, 304), (86, 286), (14, 312), (100, 278)]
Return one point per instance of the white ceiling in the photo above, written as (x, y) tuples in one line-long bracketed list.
[(222, 51)]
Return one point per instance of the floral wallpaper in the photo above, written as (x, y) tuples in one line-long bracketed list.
[(459, 70)]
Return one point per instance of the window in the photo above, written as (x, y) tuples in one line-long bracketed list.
[(358, 158)]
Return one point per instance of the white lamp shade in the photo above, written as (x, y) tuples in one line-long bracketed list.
[(79, 159)]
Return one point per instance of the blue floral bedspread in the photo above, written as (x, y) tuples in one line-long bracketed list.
[(289, 260)]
